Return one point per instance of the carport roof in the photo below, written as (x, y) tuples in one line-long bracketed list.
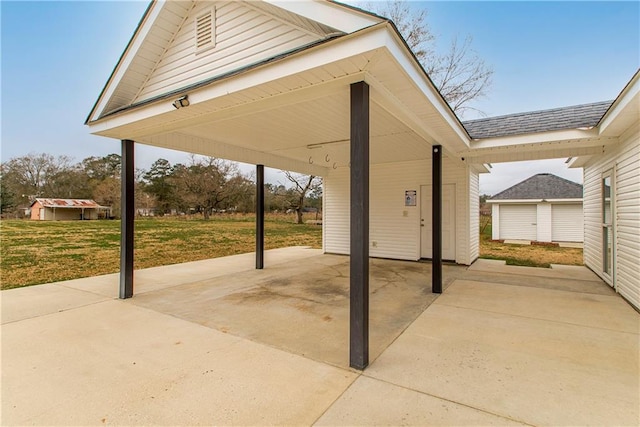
[(289, 110), (584, 116)]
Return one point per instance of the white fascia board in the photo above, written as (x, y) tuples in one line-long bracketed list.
[(530, 201), (330, 14), (625, 104), (578, 162), (479, 167), (533, 138), (564, 201), (406, 60), (570, 143), (127, 58), (333, 51), (515, 201), (532, 152)]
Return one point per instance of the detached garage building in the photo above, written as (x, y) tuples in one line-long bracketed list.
[(543, 208)]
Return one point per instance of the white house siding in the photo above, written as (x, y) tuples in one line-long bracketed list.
[(394, 227), (518, 222), (625, 160), (567, 223), (335, 211), (243, 36), (495, 221), (474, 216)]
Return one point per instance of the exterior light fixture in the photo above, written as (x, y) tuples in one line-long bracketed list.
[(181, 102)]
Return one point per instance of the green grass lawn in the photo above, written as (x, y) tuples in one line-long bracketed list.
[(527, 255), (34, 252)]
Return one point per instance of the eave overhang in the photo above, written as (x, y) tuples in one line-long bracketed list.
[(624, 111), (402, 95), (529, 201), (539, 146)]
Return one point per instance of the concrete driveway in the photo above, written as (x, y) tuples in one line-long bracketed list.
[(217, 342)]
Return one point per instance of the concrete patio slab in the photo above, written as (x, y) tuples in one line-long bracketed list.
[(302, 312), (33, 301), (115, 363), (556, 270), (155, 278), (595, 311), (371, 402), (240, 346), (518, 366), (565, 277)]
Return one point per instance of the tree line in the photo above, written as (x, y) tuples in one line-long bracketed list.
[(207, 185), (203, 185)]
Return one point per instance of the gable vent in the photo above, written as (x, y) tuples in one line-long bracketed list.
[(205, 30)]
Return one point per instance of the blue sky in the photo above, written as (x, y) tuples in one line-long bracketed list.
[(56, 57)]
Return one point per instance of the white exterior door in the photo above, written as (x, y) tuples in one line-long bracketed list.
[(518, 222), (567, 223), (448, 222)]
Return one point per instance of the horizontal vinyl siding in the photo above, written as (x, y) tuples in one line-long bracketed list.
[(627, 206), (592, 209), (244, 36), (567, 223), (474, 217), (394, 233), (626, 158), (453, 173), (397, 236), (335, 217)]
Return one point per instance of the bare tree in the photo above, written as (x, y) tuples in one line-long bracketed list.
[(107, 193), (302, 185), (460, 75), (35, 174), (207, 183)]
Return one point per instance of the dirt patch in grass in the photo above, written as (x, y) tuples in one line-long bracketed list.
[(34, 252)]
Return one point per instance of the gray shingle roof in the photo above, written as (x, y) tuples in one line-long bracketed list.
[(542, 186), (577, 116)]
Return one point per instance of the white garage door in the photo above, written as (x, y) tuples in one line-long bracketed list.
[(567, 223), (518, 222)]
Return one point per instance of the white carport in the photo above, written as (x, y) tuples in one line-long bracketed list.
[(349, 94)]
